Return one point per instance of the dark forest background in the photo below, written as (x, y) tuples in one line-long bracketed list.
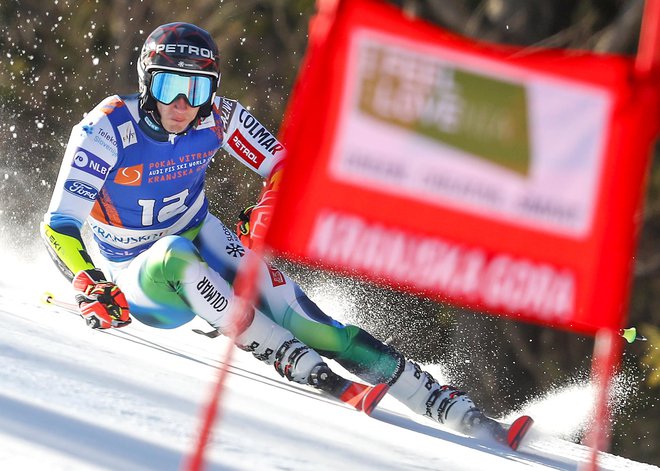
[(59, 59)]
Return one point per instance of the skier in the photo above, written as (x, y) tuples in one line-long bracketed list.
[(134, 170)]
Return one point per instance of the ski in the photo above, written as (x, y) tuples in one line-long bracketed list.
[(481, 426), (363, 397), (517, 431), (360, 396)]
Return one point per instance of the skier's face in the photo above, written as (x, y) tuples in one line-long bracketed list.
[(176, 116)]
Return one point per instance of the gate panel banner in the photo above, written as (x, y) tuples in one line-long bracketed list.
[(501, 179)]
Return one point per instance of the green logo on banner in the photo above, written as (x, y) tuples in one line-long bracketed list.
[(483, 116)]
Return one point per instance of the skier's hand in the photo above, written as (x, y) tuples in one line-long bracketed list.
[(102, 304), (243, 226), (253, 220)]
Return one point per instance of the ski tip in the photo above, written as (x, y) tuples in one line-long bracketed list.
[(518, 430), (364, 398), (373, 397)]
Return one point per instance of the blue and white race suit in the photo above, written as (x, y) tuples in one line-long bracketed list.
[(142, 193)]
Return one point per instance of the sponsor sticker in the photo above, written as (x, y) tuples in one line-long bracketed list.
[(235, 250), (81, 189), (258, 132), (245, 150), (213, 296), (207, 122), (276, 276), (90, 163), (127, 133), (130, 176)]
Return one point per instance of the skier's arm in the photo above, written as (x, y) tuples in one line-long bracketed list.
[(65, 246), (89, 157), (254, 220), (247, 140), (87, 160)]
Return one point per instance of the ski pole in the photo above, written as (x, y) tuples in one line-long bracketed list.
[(50, 299)]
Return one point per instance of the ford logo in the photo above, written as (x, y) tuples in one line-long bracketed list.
[(81, 189)]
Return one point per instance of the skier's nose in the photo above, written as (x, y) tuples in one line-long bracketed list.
[(180, 103)]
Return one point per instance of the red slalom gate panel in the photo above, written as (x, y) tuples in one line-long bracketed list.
[(502, 179)]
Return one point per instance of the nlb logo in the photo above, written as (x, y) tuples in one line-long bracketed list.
[(90, 163), (81, 189)]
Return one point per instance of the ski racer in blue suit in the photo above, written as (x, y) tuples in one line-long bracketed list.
[(134, 171)]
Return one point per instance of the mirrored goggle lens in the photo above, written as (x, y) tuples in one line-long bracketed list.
[(166, 86)]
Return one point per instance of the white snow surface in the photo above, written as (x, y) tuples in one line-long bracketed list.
[(131, 399)]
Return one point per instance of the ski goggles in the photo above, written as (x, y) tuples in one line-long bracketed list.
[(167, 86)]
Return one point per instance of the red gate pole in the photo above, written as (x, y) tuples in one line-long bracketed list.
[(607, 347), (605, 358), (647, 62), (245, 292)]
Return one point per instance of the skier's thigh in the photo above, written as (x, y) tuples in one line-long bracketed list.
[(154, 303)]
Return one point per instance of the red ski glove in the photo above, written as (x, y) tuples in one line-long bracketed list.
[(102, 304), (253, 220)]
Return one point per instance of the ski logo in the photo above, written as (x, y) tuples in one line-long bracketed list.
[(127, 133), (90, 163), (214, 297), (81, 189)]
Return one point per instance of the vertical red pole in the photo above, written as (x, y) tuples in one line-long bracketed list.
[(647, 62), (245, 292), (605, 358), (210, 414), (245, 285)]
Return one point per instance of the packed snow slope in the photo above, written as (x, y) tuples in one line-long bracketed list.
[(130, 399)]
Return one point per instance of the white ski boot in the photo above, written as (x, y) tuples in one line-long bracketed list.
[(418, 390), (273, 344)]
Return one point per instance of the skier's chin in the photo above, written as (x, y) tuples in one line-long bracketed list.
[(175, 127)]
